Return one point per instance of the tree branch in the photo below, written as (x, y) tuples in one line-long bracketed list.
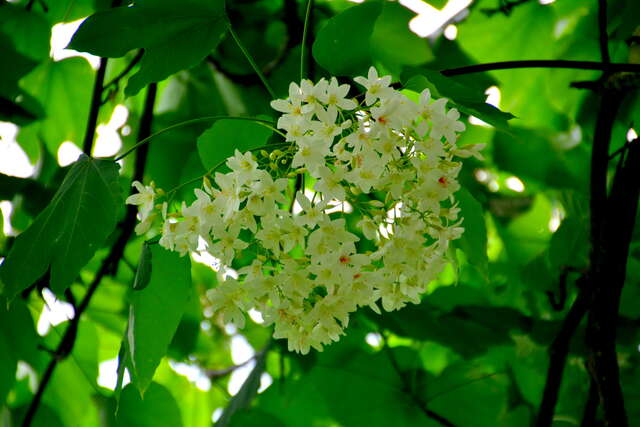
[(96, 101), (558, 351), (610, 272), (541, 63), (109, 264)]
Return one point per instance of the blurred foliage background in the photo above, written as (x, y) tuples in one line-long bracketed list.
[(475, 352)]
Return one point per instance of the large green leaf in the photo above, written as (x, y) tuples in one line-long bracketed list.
[(64, 89), (68, 232), (393, 43), (343, 45), (174, 35), (29, 32), (155, 313), (157, 409), (225, 136)]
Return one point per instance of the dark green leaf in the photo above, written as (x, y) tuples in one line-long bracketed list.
[(20, 66), (246, 393), (474, 239), (157, 409), (343, 45), (8, 363), (225, 136), (175, 36), (143, 273), (67, 233), (155, 313), (29, 32)]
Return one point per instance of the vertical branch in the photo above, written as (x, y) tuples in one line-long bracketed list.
[(558, 352), (604, 36), (96, 101), (611, 272)]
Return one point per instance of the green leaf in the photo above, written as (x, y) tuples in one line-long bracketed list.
[(246, 393), (393, 43), (225, 136), (466, 99), (474, 239), (64, 89), (155, 313), (8, 364), (143, 273), (174, 35), (157, 409), (20, 66), (75, 376), (64, 237), (18, 328), (343, 45), (29, 32)]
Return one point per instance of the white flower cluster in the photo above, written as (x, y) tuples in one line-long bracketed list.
[(389, 157)]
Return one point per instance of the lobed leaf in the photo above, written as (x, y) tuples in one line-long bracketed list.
[(66, 235)]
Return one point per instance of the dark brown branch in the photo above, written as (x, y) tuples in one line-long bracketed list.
[(557, 303), (558, 356), (96, 101), (591, 406), (610, 272), (541, 63), (109, 264)]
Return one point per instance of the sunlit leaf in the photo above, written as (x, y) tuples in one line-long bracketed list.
[(155, 313), (64, 90), (225, 136), (157, 409), (343, 45)]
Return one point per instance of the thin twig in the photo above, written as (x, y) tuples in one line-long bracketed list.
[(558, 351), (96, 101), (541, 63), (255, 67), (143, 141), (304, 37)]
